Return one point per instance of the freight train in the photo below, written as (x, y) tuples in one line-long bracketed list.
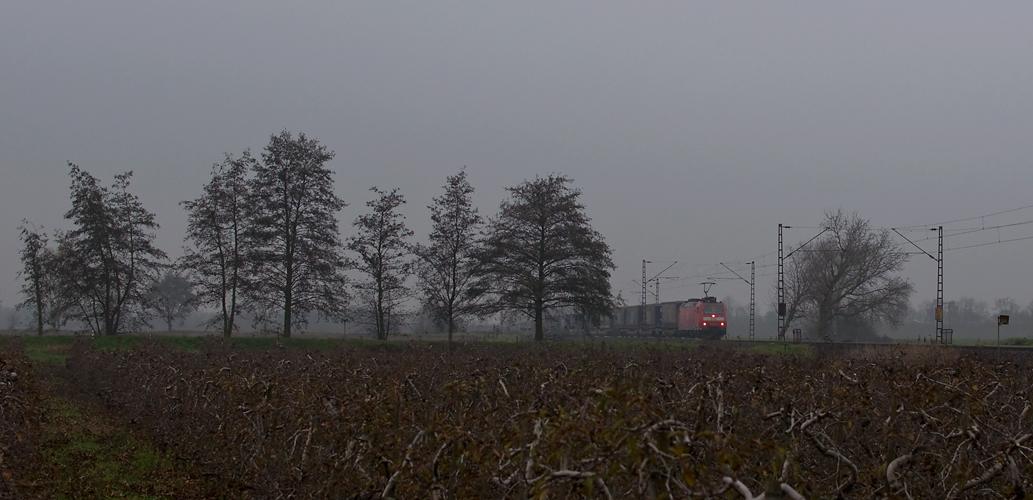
[(695, 318)]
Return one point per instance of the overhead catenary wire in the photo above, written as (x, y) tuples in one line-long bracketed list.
[(968, 230), (916, 226), (915, 244), (1000, 226), (962, 232), (990, 243)]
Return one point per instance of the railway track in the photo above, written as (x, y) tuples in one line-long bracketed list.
[(822, 346)]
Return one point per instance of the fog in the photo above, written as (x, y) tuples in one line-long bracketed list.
[(692, 128)]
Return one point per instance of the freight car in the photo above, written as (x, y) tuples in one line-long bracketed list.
[(695, 318)]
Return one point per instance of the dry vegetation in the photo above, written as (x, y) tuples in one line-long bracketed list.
[(498, 421), (19, 417)]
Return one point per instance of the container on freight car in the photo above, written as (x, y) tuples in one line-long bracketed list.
[(653, 313), (669, 315), (632, 316)]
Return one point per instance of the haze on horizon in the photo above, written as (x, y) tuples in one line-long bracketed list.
[(692, 128)]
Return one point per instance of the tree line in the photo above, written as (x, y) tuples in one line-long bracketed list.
[(971, 310), (263, 239)]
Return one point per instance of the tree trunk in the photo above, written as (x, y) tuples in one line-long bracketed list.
[(539, 330), (380, 320), (288, 290), (38, 286), (287, 299), (225, 312), (825, 318), (39, 311), (227, 322), (222, 299), (287, 313)]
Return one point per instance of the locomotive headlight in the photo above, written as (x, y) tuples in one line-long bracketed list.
[(722, 323), (704, 323), (713, 315)]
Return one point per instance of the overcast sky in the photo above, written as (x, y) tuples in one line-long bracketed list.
[(692, 128)]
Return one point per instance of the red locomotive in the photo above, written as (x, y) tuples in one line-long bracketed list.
[(702, 318)]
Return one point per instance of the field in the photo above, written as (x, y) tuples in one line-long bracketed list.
[(260, 418)]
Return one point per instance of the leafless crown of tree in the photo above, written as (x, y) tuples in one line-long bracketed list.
[(849, 273)]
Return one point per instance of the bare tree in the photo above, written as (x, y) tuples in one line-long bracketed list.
[(109, 258), (294, 257), (216, 224), (447, 269), (57, 308), (925, 312), (38, 273), (1006, 305), (172, 298), (1022, 313), (968, 310), (12, 320), (733, 307), (796, 283), (381, 241), (847, 274), (540, 253)]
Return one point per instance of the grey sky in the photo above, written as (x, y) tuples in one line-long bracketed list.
[(693, 128)]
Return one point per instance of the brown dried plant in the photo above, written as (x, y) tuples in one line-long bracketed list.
[(494, 421)]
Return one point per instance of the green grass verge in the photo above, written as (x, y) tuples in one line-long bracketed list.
[(52, 349), (785, 349), (87, 457), (46, 349), (269, 343)]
